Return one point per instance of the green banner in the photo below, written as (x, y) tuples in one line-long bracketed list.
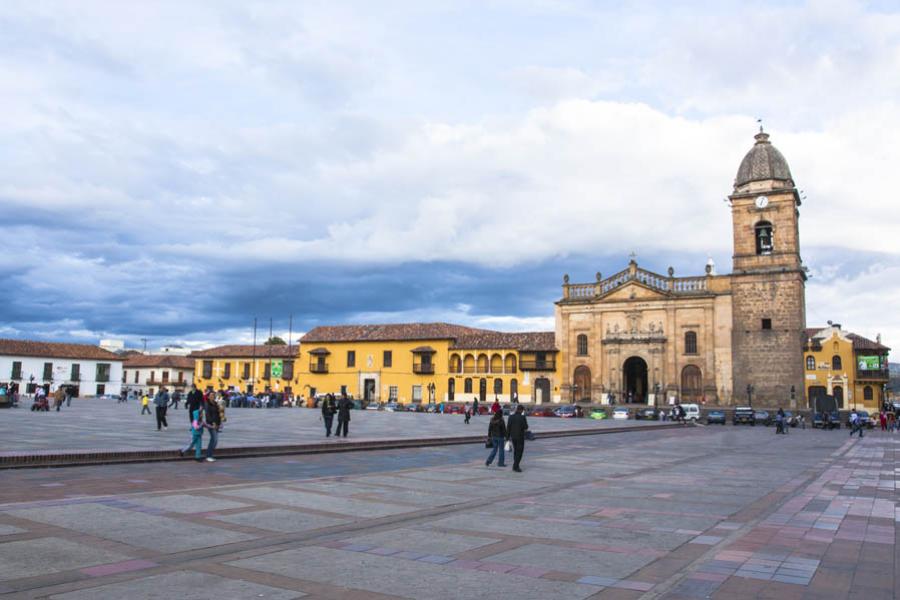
[(277, 368), (868, 363)]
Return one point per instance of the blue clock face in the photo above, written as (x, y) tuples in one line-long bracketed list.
[(762, 202)]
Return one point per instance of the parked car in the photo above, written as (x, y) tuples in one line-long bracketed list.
[(393, 406), (598, 414), (691, 412), (867, 421), (832, 422), (373, 406), (743, 415), (542, 412), (762, 417), (620, 412), (456, 409), (715, 417), (566, 412), (358, 404), (648, 414), (431, 407)]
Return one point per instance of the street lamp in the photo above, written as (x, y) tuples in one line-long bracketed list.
[(750, 395)]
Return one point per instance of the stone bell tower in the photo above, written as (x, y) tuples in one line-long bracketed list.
[(768, 281)]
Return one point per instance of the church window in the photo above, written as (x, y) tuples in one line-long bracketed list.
[(467, 385), (764, 238), (867, 392), (498, 386), (810, 363), (582, 345), (690, 342), (836, 364), (767, 323)]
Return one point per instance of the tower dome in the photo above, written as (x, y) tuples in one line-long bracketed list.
[(764, 163)]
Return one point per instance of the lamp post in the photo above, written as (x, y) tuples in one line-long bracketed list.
[(750, 395), (793, 396)]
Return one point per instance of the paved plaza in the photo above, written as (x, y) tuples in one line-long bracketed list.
[(722, 512), (105, 424)]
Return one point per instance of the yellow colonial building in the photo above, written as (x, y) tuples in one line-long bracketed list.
[(847, 367), (246, 368), (429, 362)]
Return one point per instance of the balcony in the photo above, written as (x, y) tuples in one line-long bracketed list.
[(537, 365), (423, 369), (880, 374), (103, 378), (318, 367)]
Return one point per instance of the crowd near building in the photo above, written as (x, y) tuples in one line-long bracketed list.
[(636, 336)]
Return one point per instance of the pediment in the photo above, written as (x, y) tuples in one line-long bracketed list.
[(633, 290)]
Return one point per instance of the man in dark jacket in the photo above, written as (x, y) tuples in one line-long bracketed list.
[(194, 401), (515, 433), (161, 400), (328, 410), (344, 407)]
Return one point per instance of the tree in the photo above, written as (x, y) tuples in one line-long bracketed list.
[(275, 341)]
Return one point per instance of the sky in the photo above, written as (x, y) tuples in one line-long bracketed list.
[(173, 170)]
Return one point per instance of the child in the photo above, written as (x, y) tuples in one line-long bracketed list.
[(196, 433)]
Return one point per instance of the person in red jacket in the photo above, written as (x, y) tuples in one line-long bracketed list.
[(495, 407)]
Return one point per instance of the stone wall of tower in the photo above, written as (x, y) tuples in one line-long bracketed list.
[(771, 360)]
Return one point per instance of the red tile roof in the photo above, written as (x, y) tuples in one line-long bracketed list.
[(159, 361), (525, 342), (246, 351), (394, 332), (55, 350), (861, 343), (461, 337)]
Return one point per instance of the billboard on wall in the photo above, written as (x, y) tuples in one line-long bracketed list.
[(277, 368), (868, 363)]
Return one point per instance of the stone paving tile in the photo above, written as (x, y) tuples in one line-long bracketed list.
[(332, 504), (182, 585), (387, 575), (424, 542), (585, 562), (28, 558), (10, 530), (136, 529), (189, 504), (281, 520)]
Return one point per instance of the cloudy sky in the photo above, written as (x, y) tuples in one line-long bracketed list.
[(172, 170)]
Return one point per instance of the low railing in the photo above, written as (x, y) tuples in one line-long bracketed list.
[(582, 290), (421, 369), (537, 365), (689, 284), (318, 367), (873, 374)]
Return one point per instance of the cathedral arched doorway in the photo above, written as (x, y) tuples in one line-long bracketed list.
[(582, 384), (634, 372), (541, 390), (691, 384)]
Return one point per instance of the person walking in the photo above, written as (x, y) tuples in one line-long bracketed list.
[(855, 423), (495, 407), (779, 422), (69, 392), (59, 396), (145, 404), (515, 433), (328, 410), (176, 399), (468, 413), (194, 401), (161, 400), (497, 435), (343, 417), (475, 407), (196, 443), (215, 418), (882, 418)]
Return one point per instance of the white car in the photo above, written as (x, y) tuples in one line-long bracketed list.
[(691, 412), (620, 413)]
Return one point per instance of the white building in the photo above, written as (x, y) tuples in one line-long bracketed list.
[(93, 371), (148, 372)]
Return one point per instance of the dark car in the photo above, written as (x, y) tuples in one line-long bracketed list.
[(647, 414), (542, 412), (566, 412), (763, 417), (743, 415), (826, 420), (715, 417)]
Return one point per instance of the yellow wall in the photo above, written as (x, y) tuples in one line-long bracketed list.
[(236, 378), (824, 375), (370, 365)]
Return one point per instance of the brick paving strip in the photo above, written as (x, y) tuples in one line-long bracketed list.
[(66, 458)]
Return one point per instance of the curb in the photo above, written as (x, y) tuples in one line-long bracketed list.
[(74, 458)]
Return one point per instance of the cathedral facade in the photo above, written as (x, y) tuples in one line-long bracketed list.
[(725, 339)]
